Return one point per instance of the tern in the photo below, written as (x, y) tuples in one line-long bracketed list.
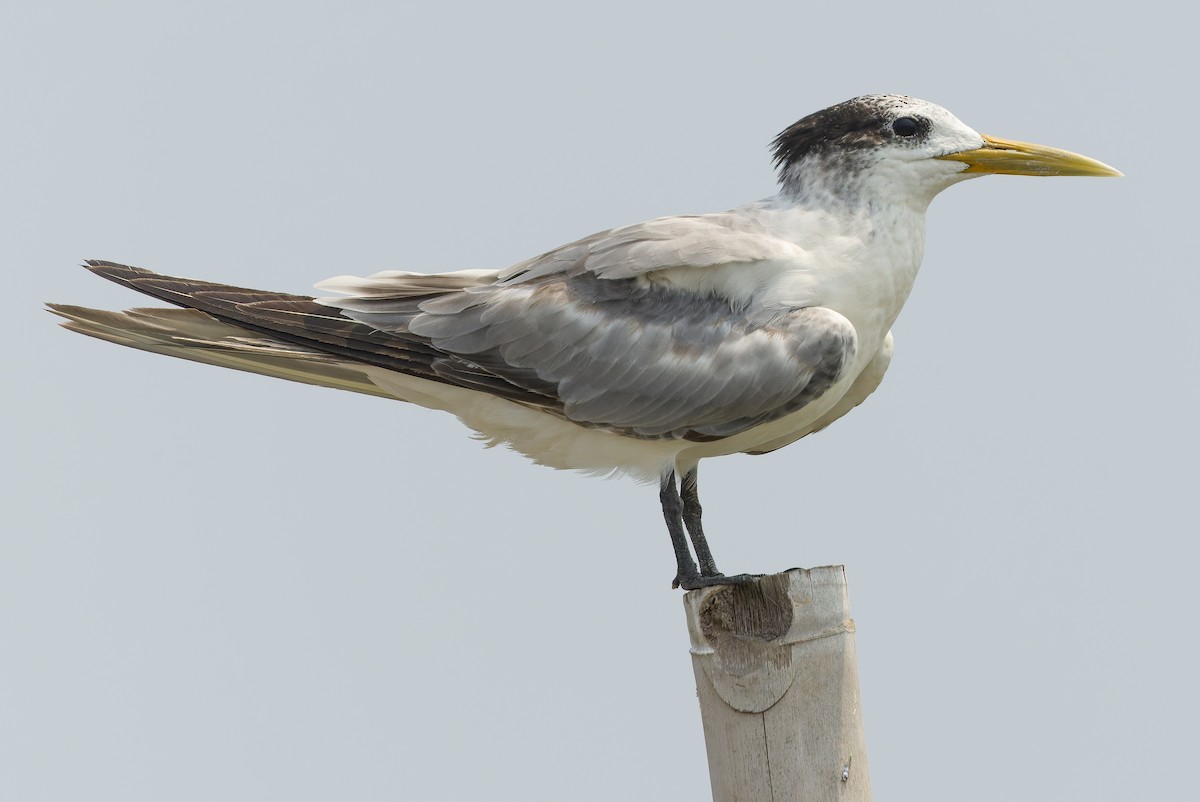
[(643, 349)]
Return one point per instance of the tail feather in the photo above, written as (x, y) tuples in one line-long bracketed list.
[(193, 335)]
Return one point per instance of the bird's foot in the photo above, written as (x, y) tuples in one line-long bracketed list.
[(695, 581)]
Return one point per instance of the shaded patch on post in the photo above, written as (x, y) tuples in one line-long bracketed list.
[(742, 621)]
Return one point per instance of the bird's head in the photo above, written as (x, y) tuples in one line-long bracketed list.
[(892, 146)]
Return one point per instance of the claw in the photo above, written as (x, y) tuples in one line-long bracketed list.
[(695, 581)]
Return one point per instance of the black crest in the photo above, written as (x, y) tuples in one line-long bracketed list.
[(858, 124)]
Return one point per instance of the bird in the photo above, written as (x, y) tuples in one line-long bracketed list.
[(642, 349)]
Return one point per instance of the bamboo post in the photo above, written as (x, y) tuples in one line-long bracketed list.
[(777, 676)]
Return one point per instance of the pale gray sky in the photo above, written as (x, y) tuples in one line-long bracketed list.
[(215, 586)]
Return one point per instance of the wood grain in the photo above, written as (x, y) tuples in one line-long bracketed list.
[(777, 678)]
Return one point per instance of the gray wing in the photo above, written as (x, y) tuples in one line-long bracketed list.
[(573, 332), (648, 361), (864, 384), (669, 242)]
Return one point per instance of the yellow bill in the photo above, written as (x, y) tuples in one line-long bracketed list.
[(1008, 157)]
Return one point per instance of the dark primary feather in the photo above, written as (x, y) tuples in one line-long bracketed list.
[(292, 318)]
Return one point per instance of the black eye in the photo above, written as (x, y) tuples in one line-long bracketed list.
[(906, 126)]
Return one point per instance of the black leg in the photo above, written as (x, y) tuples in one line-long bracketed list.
[(691, 519), (676, 510), (685, 567)]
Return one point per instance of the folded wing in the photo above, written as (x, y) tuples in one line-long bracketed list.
[(577, 333)]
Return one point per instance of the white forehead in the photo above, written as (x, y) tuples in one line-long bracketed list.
[(947, 132)]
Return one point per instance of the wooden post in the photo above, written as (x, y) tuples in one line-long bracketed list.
[(777, 676)]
